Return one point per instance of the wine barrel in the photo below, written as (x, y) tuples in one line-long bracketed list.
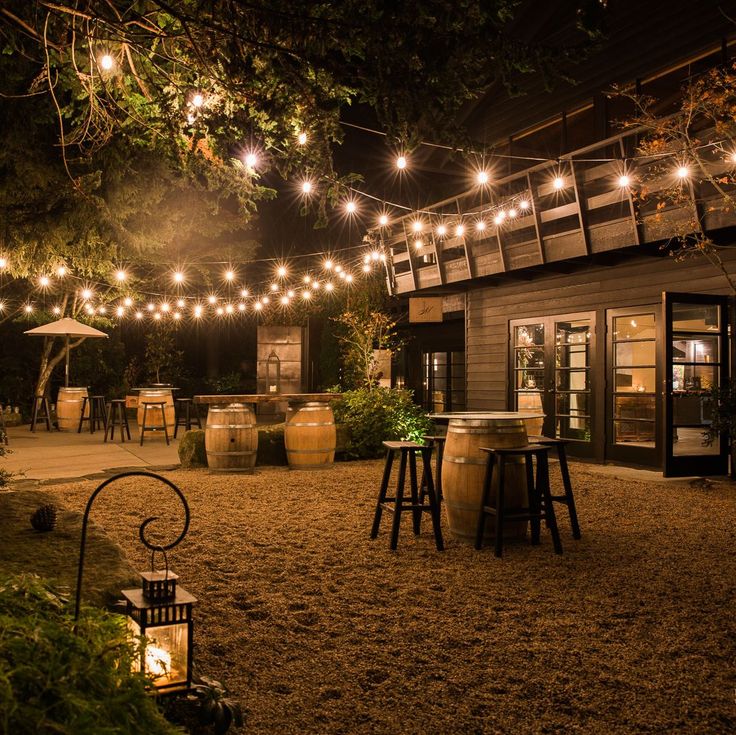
[(310, 436), (231, 438), (153, 416), (464, 468), (69, 408), (531, 402)]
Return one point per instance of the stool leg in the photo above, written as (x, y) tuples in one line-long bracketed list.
[(434, 506), (163, 419), (500, 500), (485, 499), (34, 413), (534, 501), (110, 424), (398, 502), (416, 511), (438, 470), (142, 427), (562, 455), (382, 493), (127, 425), (81, 415), (177, 416), (549, 511)]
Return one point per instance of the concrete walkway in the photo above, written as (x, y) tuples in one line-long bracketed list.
[(55, 455)]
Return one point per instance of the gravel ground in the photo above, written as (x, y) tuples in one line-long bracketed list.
[(318, 629)]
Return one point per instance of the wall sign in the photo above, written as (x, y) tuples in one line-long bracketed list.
[(425, 309)]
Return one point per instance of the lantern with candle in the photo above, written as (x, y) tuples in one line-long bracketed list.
[(273, 373)]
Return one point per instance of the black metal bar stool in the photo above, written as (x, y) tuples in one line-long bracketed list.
[(568, 498), (183, 410), (438, 442), (540, 507), (97, 416), (161, 406), (398, 503), (117, 417), (40, 412)]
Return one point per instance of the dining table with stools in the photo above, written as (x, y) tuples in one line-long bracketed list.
[(310, 436), (464, 467)]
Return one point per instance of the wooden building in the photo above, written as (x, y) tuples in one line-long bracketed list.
[(571, 303)]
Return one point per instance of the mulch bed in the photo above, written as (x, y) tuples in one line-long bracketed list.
[(318, 629)]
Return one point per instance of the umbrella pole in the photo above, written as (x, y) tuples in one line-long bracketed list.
[(66, 366)]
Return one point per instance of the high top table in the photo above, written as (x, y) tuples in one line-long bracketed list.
[(464, 466), (310, 437)]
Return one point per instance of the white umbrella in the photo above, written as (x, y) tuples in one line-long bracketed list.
[(65, 327)]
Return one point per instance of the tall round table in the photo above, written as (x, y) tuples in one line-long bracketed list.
[(464, 466)]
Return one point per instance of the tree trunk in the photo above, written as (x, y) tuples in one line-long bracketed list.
[(48, 363)]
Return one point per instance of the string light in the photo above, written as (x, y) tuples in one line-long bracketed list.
[(128, 301), (459, 231), (198, 99), (383, 220), (327, 265), (683, 172), (306, 295), (44, 281), (512, 212), (229, 275), (165, 307), (349, 278), (244, 293), (157, 316), (120, 311), (375, 255), (56, 310), (524, 204), (307, 186), (241, 306), (28, 308), (180, 303), (329, 286), (367, 268), (220, 311), (418, 244), (107, 62), (258, 306), (624, 181), (482, 177), (178, 277), (3, 263), (401, 163), (315, 286), (87, 294), (558, 183), (251, 160), (302, 138), (61, 271), (176, 315), (480, 225), (284, 300), (150, 306), (212, 299), (102, 310), (121, 275), (139, 315), (229, 309), (351, 207), (282, 271), (265, 300), (274, 287), (417, 225), (441, 230), (197, 311)]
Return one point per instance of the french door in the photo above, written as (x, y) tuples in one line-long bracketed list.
[(550, 370), (443, 381), (696, 361)]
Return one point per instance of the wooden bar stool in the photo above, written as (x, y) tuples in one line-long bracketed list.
[(117, 417), (40, 412), (568, 498), (97, 414), (161, 406), (183, 408), (540, 507), (438, 442), (398, 504)]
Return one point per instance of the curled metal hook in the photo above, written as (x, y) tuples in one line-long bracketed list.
[(141, 530)]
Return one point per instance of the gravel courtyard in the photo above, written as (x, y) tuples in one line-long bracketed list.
[(318, 629)]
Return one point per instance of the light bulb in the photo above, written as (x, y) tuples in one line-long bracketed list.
[(306, 295), (128, 301), (623, 180), (329, 286), (220, 311), (418, 244), (512, 212), (150, 307), (524, 204), (120, 311), (198, 99), (416, 226), (350, 207), (383, 220), (121, 275), (245, 293), (3, 262), (102, 310), (178, 277), (274, 286), (558, 182), (266, 300), (60, 271), (139, 315), (251, 160), (176, 315), (44, 281), (349, 278), (56, 310), (212, 299), (480, 225), (375, 255), (328, 265), (290, 294), (281, 271), (284, 300), (86, 294), (441, 230), (683, 172), (306, 187), (258, 306), (367, 268), (165, 307), (107, 62), (241, 306), (459, 231), (197, 311), (157, 316), (482, 177), (229, 309), (229, 275), (180, 303), (401, 163), (302, 138)]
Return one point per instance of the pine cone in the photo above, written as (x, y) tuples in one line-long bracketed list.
[(44, 519)]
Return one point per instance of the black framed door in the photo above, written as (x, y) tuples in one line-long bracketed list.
[(696, 360), (443, 381), (632, 401), (551, 368)]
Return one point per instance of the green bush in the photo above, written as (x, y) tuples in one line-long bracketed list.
[(53, 680), (376, 415)]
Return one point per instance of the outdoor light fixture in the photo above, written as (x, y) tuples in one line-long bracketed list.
[(480, 225), (351, 207), (524, 204), (306, 187), (482, 177), (623, 181), (61, 271), (302, 138), (459, 231), (178, 277), (441, 230), (229, 275), (416, 226), (683, 172), (401, 163), (383, 220), (251, 160), (107, 62), (198, 99), (273, 371), (121, 275), (558, 183), (281, 271)]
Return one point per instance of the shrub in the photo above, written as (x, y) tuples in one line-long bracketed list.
[(379, 414), (53, 679)]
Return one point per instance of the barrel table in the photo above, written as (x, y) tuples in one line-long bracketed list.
[(153, 418), (231, 438), (310, 436), (464, 467), (69, 407)]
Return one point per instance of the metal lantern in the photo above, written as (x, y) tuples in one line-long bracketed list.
[(162, 612), (273, 373)]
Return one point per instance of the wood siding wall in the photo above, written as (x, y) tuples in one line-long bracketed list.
[(640, 280)]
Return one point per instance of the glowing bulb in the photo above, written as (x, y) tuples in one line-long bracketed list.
[(383, 220), (302, 138), (329, 286), (375, 255), (176, 315), (498, 219), (290, 294), (482, 177), (338, 269), (2, 306), (284, 300), (306, 187), (89, 309), (524, 204), (198, 311), (442, 230), (265, 300), (107, 62), (366, 258), (459, 231), (306, 295), (683, 172), (349, 278), (281, 272), (367, 268), (623, 181), (307, 278), (60, 271), (157, 316), (245, 293), (180, 303), (139, 315), (251, 160), (220, 311), (512, 212), (86, 294), (102, 310), (44, 281), (241, 306), (258, 306), (416, 226), (418, 244), (328, 265), (401, 163), (558, 182), (350, 207), (229, 309), (480, 225), (150, 307), (128, 301), (3, 262), (56, 310), (165, 307), (342, 275), (121, 275), (120, 311), (274, 286), (212, 299), (178, 277), (315, 286), (198, 99), (229, 275)]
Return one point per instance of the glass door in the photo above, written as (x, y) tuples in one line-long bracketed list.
[(696, 362), (632, 396), (443, 381), (551, 375)]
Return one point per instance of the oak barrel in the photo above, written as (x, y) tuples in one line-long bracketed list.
[(153, 416), (310, 436), (231, 438), (531, 402), (69, 408), (463, 471)]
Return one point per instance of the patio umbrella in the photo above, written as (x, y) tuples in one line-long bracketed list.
[(68, 328)]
